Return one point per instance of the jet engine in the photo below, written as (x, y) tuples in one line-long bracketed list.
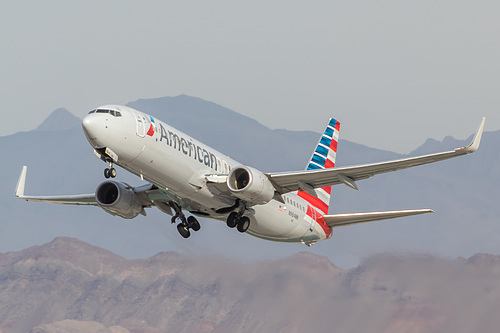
[(118, 199), (250, 185)]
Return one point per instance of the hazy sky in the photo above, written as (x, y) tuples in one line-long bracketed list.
[(393, 72)]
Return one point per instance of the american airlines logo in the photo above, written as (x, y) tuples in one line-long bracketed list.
[(152, 127)]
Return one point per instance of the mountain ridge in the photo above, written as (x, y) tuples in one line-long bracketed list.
[(173, 292), (62, 119)]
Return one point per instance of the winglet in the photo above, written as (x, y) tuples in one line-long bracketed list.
[(21, 183), (477, 139)]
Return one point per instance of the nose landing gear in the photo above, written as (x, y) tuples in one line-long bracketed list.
[(110, 172)]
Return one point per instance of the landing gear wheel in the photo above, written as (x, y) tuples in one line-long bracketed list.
[(110, 173), (193, 223), (243, 224), (183, 230), (232, 220)]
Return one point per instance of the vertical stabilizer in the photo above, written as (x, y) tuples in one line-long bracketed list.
[(323, 157)]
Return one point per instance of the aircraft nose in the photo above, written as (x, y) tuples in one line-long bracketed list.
[(92, 128)]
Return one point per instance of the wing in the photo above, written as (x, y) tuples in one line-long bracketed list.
[(83, 199), (292, 181), (149, 195)]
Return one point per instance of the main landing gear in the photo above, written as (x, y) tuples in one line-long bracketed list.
[(236, 219), (183, 227), (110, 172)]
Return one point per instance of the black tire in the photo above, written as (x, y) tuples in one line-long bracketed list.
[(232, 220), (243, 224), (107, 174), (183, 230), (112, 172), (193, 223)]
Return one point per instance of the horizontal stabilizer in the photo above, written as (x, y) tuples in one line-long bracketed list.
[(339, 220)]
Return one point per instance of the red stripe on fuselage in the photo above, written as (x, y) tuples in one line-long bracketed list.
[(327, 189), (315, 202), (318, 218)]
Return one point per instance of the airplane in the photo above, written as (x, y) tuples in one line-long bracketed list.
[(185, 175)]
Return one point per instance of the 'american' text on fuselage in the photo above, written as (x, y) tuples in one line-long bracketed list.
[(189, 148)]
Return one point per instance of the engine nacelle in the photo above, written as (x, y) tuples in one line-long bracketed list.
[(118, 199), (250, 185)]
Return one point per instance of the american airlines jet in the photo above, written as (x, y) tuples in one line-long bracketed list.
[(184, 175)]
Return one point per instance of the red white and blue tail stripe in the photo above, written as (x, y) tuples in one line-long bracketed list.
[(326, 150), (323, 157)]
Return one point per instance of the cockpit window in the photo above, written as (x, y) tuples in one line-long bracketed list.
[(112, 112)]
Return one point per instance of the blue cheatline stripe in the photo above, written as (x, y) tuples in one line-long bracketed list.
[(329, 131), (325, 141), (313, 166), (319, 160), (332, 123), (319, 155), (322, 151)]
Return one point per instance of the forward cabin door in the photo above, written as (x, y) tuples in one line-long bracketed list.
[(141, 126)]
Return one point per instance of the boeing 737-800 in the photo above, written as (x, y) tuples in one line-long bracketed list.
[(184, 175)]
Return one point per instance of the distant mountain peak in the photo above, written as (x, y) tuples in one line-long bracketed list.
[(433, 146), (59, 120), (183, 107)]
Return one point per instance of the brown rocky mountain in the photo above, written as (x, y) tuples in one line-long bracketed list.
[(71, 286)]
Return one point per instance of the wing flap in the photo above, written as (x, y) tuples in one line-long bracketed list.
[(339, 220)]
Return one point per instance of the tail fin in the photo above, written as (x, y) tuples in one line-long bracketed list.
[(323, 158)]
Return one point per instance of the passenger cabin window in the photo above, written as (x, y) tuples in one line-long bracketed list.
[(112, 112)]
